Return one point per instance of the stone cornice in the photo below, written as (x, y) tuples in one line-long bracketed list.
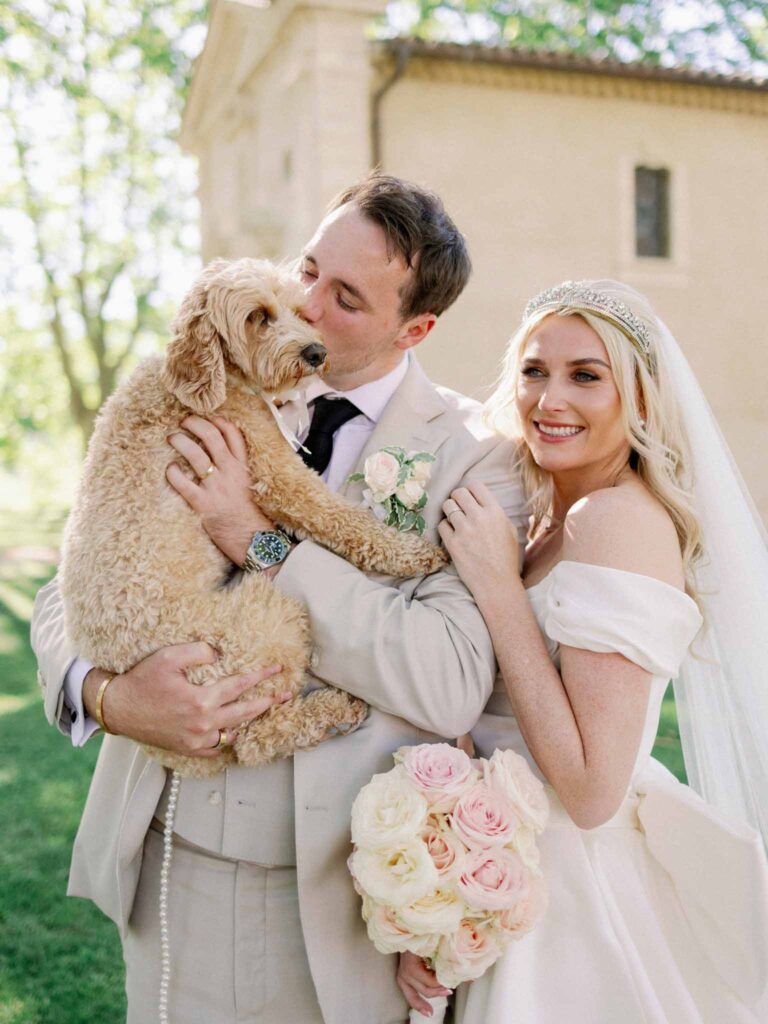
[(508, 69)]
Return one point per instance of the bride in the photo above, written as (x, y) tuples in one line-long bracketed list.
[(645, 562)]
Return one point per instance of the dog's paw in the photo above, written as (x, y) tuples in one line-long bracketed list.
[(191, 767), (408, 554)]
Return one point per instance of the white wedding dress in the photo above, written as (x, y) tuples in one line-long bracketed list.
[(659, 915)]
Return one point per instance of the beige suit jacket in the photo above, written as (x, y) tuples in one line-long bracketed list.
[(416, 650)]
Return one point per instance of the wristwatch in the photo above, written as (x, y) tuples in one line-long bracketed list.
[(268, 548)]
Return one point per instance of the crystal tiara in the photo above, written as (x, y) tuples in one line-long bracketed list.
[(578, 295)]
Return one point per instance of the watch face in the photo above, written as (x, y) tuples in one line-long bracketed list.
[(269, 548)]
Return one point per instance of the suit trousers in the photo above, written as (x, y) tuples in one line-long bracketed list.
[(237, 949)]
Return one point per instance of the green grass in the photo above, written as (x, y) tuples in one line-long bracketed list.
[(60, 960)]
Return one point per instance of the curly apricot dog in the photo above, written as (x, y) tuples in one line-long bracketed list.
[(139, 572)]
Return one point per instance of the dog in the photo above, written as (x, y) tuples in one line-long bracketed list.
[(139, 572)]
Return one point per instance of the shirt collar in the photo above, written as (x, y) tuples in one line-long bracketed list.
[(372, 398)]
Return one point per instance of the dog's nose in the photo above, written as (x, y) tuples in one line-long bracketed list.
[(314, 354)]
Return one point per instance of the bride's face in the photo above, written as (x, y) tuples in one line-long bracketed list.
[(567, 399)]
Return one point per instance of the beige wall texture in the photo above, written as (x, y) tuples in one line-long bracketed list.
[(535, 165)]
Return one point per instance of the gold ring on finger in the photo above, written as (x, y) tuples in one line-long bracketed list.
[(223, 740), (207, 472)]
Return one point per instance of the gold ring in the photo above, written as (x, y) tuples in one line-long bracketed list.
[(223, 740), (207, 472)]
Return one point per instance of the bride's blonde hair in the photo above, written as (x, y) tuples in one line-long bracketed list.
[(649, 411)]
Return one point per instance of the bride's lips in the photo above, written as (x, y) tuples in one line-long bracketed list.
[(556, 433)]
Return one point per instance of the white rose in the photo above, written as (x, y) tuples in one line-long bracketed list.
[(381, 471), (398, 876), (389, 935), (409, 493), (525, 846), (388, 812), (440, 913), (510, 774), (421, 470)]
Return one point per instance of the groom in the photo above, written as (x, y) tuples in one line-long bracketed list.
[(257, 847)]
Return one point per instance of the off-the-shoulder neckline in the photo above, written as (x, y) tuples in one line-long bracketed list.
[(607, 568)]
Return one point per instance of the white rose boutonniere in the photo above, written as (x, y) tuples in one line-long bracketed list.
[(396, 486)]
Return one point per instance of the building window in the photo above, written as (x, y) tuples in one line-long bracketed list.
[(651, 212)]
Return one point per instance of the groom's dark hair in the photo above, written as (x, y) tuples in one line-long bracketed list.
[(421, 233)]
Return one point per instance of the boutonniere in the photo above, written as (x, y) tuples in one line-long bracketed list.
[(396, 488)]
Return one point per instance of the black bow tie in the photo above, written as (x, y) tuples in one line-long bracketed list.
[(328, 415)]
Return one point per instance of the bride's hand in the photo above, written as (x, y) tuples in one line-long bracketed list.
[(418, 983), (479, 538)]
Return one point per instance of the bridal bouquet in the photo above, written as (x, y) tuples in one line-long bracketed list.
[(445, 857)]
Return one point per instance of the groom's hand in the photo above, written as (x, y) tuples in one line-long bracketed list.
[(155, 703), (222, 495)]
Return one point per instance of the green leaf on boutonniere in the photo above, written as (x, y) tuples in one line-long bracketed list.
[(354, 477), (402, 476), (399, 453), (423, 457), (422, 501), (421, 525), (408, 521)]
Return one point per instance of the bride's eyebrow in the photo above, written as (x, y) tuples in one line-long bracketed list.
[(585, 362)]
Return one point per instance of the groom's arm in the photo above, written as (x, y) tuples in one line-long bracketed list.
[(426, 657)]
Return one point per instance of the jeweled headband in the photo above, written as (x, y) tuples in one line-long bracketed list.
[(580, 297)]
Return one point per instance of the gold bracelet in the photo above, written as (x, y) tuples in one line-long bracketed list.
[(98, 712)]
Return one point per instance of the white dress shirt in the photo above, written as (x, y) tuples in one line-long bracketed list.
[(348, 441)]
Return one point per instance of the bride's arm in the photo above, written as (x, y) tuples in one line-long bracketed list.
[(583, 725)]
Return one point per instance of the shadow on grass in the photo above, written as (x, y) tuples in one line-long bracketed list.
[(60, 960)]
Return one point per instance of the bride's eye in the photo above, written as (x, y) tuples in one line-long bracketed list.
[(531, 371), (584, 377)]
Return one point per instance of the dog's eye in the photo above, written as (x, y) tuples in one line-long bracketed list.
[(258, 317)]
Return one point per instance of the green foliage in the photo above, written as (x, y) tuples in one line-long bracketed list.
[(722, 35), (95, 200)]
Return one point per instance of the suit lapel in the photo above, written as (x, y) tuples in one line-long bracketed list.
[(412, 419)]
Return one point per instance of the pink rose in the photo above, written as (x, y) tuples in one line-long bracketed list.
[(446, 850), (510, 774), (484, 817), (441, 772), (467, 954), (519, 919), (493, 879)]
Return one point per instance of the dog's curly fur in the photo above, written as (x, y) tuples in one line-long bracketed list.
[(138, 571)]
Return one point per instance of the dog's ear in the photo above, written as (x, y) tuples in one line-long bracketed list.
[(194, 364)]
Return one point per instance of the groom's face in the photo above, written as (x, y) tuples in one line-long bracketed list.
[(354, 291)]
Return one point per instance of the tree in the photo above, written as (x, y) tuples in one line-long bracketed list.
[(718, 35), (96, 197)]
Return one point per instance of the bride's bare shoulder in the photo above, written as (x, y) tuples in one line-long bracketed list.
[(624, 527)]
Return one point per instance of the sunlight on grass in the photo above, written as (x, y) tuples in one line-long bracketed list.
[(9, 703), (14, 1011), (19, 604)]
